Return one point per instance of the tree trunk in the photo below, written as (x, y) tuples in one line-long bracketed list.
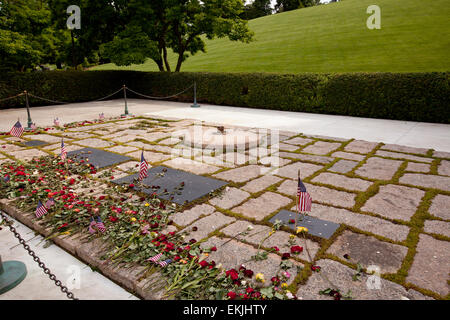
[(180, 61), (166, 62)]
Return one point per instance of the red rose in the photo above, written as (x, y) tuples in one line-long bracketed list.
[(291, 221), (234, 275), (231, 295), (285, 256), (256, 294), (213, 249), (315, 268), (248, 273), (296, 249), (249, 290), (131, 185), (275, 248), (275, 280), (203, 263)]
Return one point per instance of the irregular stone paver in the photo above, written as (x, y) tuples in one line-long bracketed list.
[(365, 289), (188, 216), (418, 167), (440, 207), (149, 156), (46, 138), (124, 138), (363, 222), (321, 147), (261, 183), (191, 166), (318, 136), (348, 155), (395, 202), (229, 198), (155, 136), (206, 225), (437, 227), (7, 147), (95, 143), (342, 181), (274, 161), (27, 154), (440, 154), (360, 146), (232, 254), (129, 166), (320, 194), (122, 149), (76, 135), (378, 168), (280, 239), (396, 155), (287, 147), (241, 174), (262, 206), (426, 180), (298, 141), (368, 251), (430, 269), (399, 148), (444, 168), (343, 166), (291, 170), (306, 157), (214, 161)]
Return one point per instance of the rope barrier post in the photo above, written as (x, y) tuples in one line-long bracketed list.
[(30, 122), (195, 105), (126, 114)]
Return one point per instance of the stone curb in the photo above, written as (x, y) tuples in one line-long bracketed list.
[(90, 253)]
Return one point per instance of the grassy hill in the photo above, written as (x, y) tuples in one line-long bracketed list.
[(414, 37)]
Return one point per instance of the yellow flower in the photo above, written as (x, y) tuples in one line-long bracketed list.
[(183, 261), (284, 285), (133, 219), (301, 229), (292, 236), (260, 277), (147, 204)]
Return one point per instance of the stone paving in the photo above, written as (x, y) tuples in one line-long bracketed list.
[(393, 203)]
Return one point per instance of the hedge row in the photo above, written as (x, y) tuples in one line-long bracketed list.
[(401, 96)]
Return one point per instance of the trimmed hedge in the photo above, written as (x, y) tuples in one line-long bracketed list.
[(400, 96)]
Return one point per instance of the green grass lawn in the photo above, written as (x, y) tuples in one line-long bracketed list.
[(414, 37)]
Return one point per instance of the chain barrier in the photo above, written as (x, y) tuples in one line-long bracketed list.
[(160, 98), (13, 97), (47, 271)]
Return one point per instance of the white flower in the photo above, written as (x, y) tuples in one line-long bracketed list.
[(249, 228), (289, 295), (243, 282)]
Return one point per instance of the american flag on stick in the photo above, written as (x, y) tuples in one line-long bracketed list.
[(143, 168), (17, 130), (101, 116), (40, 210), (63, 150), (50, 202), (100, 226), (56, 122), (33, 126), (165, 262), (304, 199), (155, 258)]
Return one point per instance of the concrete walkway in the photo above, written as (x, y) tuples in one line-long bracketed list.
[(407, 133), (77, 276)]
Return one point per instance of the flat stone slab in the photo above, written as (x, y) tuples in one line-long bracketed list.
[(298, 141), (343, 166), (186, 217), (98, 158), (306, 157), (35, 143), (260, 184), (206, 225), (291, 170), (29, 154), (430, 269), (370, 287), (444, 168), (287, 147), (262, 206), (316, 227), (363, 222), (352, 184), (149, 156), (368, 251), (232, 254), (440, 207), (122, 149), (229, 198), (399, 148), (379, 169), (195, 186), (45, 137), (395, 202), (95, 143), (418, 167), (441, 154), (191, 166), (360, 146), (437, 227), (242, 174), (396, 155), (348, 156), (426, 180), (321, 147)]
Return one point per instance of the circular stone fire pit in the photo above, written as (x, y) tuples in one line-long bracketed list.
[(220, 138)]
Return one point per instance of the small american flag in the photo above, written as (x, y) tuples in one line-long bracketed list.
[(50, 202), (143, 167), (56, 122), (304, 199), (40, 210), (17, 130), (165, 262), (101, 116), (91, 225), (33, 126), (155, 258), (6, 179), (100, 226), (63, 150)]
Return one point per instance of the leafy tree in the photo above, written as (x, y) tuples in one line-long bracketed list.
[(256, 9), (288, 5), (180, 25)]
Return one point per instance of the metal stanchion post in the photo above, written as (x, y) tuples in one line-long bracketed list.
[(126, 114), (195, 105), (30, 122)]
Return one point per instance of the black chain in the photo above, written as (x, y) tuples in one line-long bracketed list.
[(36, 258)]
